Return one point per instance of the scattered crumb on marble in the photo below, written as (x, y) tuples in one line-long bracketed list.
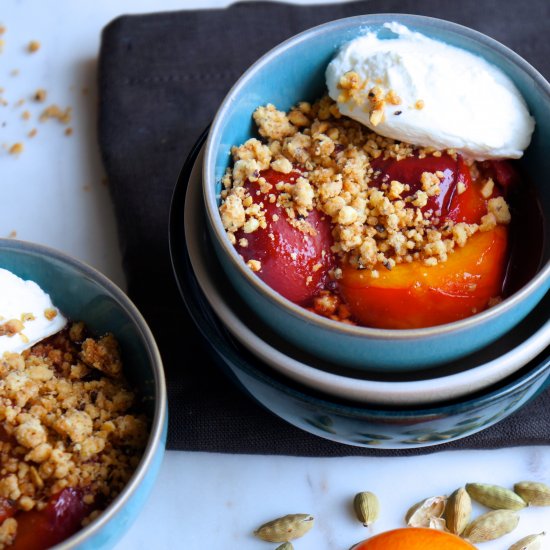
[(33, 132), (53, 111), (19, 102), (12, 234), (40, 95), (68, 131), (16, 149), (14, 72), (25, 115), (33, 46)]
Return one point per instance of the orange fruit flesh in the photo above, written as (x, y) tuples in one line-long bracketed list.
[(413, 295), (414, 538)]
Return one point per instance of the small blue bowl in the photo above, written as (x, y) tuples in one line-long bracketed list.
[(363, 425), (84, 294), (294, 71)]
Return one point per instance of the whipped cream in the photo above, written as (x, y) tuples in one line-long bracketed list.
[(448, 97), (27, 314)]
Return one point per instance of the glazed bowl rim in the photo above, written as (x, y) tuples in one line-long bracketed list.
[(155, 439), (214, 219)]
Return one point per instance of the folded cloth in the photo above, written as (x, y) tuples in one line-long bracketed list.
[(161, 79)]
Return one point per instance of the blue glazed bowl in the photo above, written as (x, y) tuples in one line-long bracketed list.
[(294, 71), (364, 425), (83, 293)]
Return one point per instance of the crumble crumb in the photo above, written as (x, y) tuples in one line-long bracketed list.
[(254, 265), (282, 165), (11, 327), (40, 95), (272, 123), (500, 210), (487, 189), (16, 149), (102, 355), (53, 111), (50, 313), (8, 531), (33, 46)]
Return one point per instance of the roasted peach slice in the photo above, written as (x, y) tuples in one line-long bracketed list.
[(413, 295), (293, 261)]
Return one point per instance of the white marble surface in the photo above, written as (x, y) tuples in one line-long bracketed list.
[(53, 193)]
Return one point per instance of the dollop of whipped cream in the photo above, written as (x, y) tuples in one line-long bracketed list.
[(27, 314), (430, 94)]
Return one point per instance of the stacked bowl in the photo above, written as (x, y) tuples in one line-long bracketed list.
[(357, 385)]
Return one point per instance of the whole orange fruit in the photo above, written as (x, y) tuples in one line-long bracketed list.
[(414, 538)]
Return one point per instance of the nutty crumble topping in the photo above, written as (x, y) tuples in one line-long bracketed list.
[(374, 226), (67, 419)]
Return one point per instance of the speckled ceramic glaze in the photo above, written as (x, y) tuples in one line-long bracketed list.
[(294, 71), (85, 294), (367, 425)]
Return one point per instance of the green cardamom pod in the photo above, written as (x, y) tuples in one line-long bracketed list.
[(534, 493), (289, 527), (491, 526), (531, 542), (458, 511), (495, 497), (367, 507)]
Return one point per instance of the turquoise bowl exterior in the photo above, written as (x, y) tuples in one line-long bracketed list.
[(294, 71), (83, 293)]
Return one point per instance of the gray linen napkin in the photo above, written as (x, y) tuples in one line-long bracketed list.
[(161, 79)]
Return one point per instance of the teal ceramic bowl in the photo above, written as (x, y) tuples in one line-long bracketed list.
[(83, 293), (363, 424), (294, 71)]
